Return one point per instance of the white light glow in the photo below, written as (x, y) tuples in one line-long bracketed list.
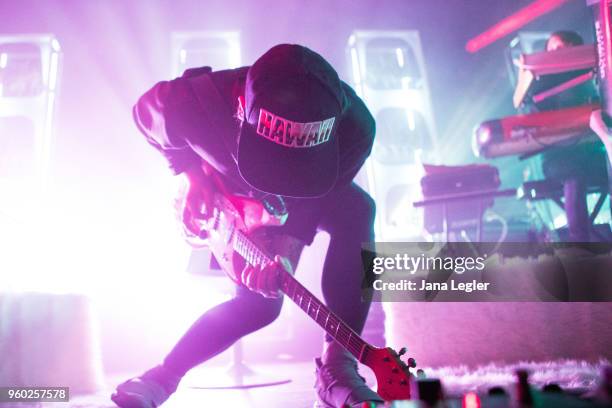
[(399, 217), (45, 142), (411, 121), (404, 220), (560, 221), (484, 135), (3, 60), (53, 71), (399, 54), (55, 45), (356, 71), (235, 56), (186, 46), (64, 249), (418, 159)]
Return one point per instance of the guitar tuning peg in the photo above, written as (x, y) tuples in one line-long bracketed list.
[(411, 362), (421, 373), (402, 351)]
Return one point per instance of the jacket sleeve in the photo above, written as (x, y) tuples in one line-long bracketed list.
[(165, 115), (356, 131)]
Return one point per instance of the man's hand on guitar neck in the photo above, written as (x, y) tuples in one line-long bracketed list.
[(265, 278)]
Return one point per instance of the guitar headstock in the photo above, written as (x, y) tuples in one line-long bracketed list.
[(392, 374)]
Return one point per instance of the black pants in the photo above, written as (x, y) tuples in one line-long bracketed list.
[(347, 214)]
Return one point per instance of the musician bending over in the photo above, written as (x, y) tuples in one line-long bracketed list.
[(285, 130)]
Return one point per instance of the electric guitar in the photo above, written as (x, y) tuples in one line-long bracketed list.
[(230, 235)]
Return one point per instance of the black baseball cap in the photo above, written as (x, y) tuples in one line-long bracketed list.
[(288, 143)]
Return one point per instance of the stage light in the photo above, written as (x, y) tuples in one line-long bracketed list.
[(29, 74), (400, 57), (484, 135), (389, 75), (356, 71), (216, 49), (391, 63), (560, 221)]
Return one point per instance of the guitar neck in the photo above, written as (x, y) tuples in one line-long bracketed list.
[(305, 300), (324, 317)]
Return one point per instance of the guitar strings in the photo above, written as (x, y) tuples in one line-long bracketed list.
[(343, 333), (255, 255)]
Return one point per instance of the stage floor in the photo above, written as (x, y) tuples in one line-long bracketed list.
[(572, 375), (298, 392)]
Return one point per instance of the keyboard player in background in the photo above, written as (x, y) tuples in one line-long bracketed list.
[(604, 133), (586, 160)]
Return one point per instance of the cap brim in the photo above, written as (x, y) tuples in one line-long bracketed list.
[(292, 172)]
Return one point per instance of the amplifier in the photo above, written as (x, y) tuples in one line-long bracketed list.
[(448, 181)]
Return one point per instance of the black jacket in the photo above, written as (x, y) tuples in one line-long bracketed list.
[(171, 117)]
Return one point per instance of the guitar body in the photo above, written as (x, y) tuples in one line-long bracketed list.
[(233, 214)]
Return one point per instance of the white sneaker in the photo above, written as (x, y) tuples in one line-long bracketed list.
[(338, 383), (149, 390)]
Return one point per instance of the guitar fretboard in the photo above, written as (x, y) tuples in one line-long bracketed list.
[(305, 300)]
